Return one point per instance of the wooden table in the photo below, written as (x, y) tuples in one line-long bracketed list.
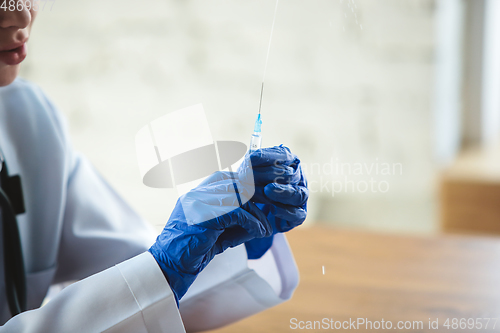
[(396, 278)]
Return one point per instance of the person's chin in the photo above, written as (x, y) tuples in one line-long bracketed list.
[(8, 74)]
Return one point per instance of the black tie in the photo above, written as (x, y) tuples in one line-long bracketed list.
[(12, 203)]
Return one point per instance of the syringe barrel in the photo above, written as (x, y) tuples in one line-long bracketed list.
[(255, 142)]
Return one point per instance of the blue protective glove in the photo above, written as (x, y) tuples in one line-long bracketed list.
[(281, 193), (209, 218)]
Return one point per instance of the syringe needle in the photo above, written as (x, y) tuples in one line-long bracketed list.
[(261, 93), (256, 140)]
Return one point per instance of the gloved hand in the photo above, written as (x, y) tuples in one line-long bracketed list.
[(209, 219), (281, 193)]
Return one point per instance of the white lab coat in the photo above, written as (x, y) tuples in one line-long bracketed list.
[(77, 228)]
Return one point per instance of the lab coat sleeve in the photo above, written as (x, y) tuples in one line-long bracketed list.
[(131, 297), (231, 287)]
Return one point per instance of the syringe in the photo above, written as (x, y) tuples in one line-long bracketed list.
[(256, 140)]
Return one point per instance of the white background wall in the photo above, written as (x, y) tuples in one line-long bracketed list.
[(334, 91)]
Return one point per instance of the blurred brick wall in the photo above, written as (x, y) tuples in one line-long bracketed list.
[(354, 92)]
